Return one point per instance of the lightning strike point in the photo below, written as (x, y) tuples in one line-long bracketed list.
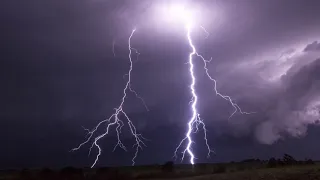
[(195, 121)]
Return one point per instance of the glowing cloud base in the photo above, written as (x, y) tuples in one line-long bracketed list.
[(173, 13)]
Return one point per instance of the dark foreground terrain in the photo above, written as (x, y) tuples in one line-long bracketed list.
[(274, 169)]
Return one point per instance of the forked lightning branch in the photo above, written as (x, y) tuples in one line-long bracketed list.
[(176, 13)]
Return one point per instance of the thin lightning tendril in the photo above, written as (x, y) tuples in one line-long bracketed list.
[(114, 119), (195, 120), (207, 33), (193, 124), (113, 48), (137, 53)]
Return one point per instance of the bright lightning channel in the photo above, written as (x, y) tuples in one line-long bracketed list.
[(114, 119), (195, 120)]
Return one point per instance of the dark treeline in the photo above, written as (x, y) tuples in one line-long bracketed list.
[(288, 160), (167, 170)]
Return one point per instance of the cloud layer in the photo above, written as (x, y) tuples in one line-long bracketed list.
[(295, 77)]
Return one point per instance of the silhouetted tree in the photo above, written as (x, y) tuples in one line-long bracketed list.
[(309, 161), (250, 160), (280, 162), (289, 160), (168, 166), (300, 162), (272, 163)]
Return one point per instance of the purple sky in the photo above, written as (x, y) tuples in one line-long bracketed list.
[(58, 73)]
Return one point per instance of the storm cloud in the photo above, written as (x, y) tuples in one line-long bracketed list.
[(59, 73), (297, 104)]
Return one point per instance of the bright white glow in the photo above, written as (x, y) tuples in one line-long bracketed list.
[(195, 121), (313, 110), (177, 13)]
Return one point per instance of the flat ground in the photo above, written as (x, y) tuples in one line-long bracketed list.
[(288, 173), (229, 171)]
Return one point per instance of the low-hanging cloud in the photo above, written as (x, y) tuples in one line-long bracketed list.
[(284, 92), (298, 102)]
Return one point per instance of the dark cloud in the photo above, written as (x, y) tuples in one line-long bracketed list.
[(297, 106), (58, 73), (300, 104), (283, 92)]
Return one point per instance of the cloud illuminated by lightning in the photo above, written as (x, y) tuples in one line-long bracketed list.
[(114, 119), (176, 12)]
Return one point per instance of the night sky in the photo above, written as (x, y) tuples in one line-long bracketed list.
[(59, 74)]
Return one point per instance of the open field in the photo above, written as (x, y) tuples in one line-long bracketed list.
[(311, 172), (292, 173), (228, 171)]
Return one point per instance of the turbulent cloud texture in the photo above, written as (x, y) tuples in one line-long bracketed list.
[(59, 72), (298, 99)]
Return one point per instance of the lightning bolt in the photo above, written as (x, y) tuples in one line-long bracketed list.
[(114, 119), (195, 121)]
